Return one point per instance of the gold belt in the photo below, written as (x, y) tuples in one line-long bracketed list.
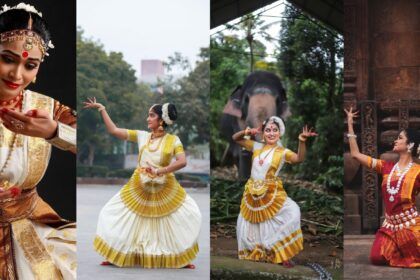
[(20, 207), (259, 187)]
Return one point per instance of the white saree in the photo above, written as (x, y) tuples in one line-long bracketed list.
[(37, 250), (152, 223)]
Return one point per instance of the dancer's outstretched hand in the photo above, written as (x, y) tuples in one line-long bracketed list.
[(351, 115), (91, 103), (307, 132)]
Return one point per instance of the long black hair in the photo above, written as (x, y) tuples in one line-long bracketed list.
[(413, 136)]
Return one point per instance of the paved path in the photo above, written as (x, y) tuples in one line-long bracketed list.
[(91, 198), (357, 265)]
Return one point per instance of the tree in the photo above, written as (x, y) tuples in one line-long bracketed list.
[(308, 57), (112, 81), (190, 94)]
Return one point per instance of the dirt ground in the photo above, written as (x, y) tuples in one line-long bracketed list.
[(317, 249)]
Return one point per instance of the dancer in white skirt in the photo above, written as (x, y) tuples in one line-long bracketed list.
[(35, 242), (151, 221), (268, 228)]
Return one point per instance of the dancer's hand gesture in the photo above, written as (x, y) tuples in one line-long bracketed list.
[(91, 103), (307, 132), (253, 131), (351, 115)]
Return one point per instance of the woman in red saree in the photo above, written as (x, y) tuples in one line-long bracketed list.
[(398, 239)]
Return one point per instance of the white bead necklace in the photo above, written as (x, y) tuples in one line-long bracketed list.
[(391, 190)]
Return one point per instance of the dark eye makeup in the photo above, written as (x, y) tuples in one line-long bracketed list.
[(31, 66), (7, 58)]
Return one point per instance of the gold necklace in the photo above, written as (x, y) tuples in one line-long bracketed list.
[(5, 183), (261, 161), (150, 142)]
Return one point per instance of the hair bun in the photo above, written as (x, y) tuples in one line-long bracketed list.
[(172, 113)]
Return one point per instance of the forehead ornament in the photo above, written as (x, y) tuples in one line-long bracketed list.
[(28, 36)]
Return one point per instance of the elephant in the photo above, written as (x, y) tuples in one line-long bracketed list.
[(259, 97)]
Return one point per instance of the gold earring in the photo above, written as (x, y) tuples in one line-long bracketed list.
[(34, 80), (160, 128)]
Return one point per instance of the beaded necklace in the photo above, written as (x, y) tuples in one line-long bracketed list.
[(394, 190), (17, 100), (150, 142), (261, 160)]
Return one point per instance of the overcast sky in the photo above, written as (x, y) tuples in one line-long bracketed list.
[(144, 29)]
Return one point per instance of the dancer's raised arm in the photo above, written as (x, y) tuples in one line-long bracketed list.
[(354, 148), (300, 156), (112, 129)]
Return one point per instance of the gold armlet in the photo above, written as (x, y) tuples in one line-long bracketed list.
[(65, 139)]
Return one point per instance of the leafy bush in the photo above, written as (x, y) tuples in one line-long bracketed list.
[(91, 171)]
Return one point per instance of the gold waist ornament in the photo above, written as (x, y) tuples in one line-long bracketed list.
[(262, 199), (152, 199)]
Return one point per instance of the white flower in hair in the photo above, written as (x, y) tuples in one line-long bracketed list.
[(165, 114), (4, 8), (50, 45), (280, 122), (21, 6), (418, 151)]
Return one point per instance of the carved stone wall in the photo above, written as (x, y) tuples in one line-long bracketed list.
[(382, 79)]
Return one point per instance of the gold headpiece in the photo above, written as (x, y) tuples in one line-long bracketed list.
[(27, 35)]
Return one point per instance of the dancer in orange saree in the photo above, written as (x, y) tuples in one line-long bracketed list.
[(397, 241)]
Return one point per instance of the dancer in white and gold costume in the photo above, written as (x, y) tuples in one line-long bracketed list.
[(35, 243), (151, 222), (268, 227)]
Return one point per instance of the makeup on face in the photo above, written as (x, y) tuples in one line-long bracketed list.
[(17, 68), (152, 120), (271, 133), (400, 144)]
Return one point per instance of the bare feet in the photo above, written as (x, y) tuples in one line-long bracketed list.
[(288, 264), (189, 266)]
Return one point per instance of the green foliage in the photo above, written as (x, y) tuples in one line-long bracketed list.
[(91, 171), (225, 199), (190, 94), (120, 173), (229, 67), (112, 81), (309, 59), (109, 78), (333, 177), (310, 65)]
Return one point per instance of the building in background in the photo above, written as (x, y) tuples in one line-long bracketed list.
[(151, 70)]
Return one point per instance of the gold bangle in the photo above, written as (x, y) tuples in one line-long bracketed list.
[(302, 139), (65, 137)]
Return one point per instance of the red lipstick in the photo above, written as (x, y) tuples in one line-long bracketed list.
[(11, 85)]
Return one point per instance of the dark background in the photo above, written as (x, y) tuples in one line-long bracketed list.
[(57, 78)]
